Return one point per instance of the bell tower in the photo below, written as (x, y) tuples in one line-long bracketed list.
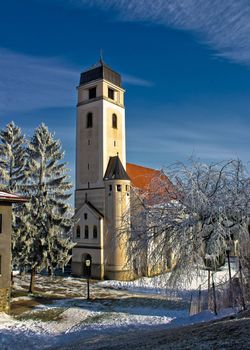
[(100, 166), (100, 130)]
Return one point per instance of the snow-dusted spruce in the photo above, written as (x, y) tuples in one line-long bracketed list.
[(210, 208), (12, 164), (12, 157), (46, 218)]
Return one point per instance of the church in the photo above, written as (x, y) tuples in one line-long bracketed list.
[(103, 178)]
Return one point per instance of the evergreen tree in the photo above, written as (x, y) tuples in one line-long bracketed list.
[(46, 218), (12, 157), (12, 164)]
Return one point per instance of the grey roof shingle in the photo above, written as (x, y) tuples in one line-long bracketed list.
[(100, 71)]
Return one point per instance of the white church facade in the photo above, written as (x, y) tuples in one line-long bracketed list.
[(102, 230), (102, 196)]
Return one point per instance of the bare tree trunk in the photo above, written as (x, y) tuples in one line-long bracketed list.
[(49, 271), (32, 280)]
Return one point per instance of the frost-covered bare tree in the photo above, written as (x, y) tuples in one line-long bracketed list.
[(12, 157), (42, 231), (206, 209)]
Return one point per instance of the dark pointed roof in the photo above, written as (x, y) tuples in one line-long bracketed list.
[(115, 170), (100, 71)]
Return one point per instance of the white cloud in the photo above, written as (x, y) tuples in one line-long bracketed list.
[(207, 141), (131, 80), (222, 24), (29, 82), (32, 82)]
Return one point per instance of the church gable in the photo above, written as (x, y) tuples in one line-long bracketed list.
[(88, 224)]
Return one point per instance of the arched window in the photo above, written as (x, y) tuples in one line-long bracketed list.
[(89, 120), (95, 231), (78, 232), (86, 232), (114, 121)]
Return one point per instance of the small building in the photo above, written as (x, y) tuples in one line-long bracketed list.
[(6, 201)]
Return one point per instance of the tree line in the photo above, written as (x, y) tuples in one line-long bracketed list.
[(34, 167)]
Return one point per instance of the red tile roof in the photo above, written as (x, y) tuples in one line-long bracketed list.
[(140, 176), (151, 182)]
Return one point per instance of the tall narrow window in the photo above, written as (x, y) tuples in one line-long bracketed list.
[(86, 232), (78, 232), (119, 188), (89, 120), (85, 216), (111, 93), (1, 223), (95, 231), (114, 121), (92, 93)]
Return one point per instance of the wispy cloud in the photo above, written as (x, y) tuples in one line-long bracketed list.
[(131, 80), (207, 141), (32, 82), (29, 82), (222, 24)]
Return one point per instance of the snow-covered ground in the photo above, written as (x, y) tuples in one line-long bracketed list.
[(61, 314)]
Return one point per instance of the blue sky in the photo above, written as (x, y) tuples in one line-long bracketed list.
[(185, 67)]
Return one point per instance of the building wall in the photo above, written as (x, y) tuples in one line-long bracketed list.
[(88, 246), (5, 253), (116, 237), (94, 147)]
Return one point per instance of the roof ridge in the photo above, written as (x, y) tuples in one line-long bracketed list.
[(145, 167)]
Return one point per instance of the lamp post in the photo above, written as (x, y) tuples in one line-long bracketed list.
[(88, 267)]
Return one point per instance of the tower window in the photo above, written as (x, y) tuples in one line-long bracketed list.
[(92, 93), (119, 188), (85, 216), (88, 142), (114, 143), (95, 231), (86, 232), (127, 187), (1, 223), (110, 187), (78, 232), (111, 93), (88, 166), (89, 120), (114, 121)]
